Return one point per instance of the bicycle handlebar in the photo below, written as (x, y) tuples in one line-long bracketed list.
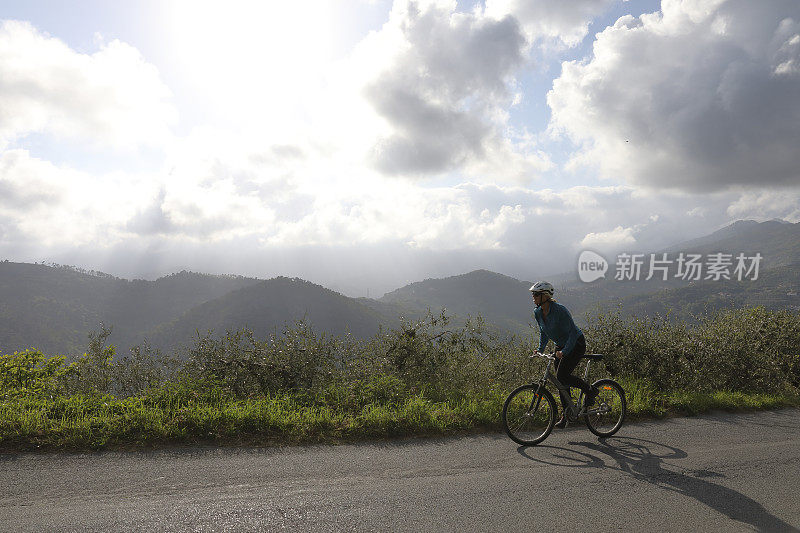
[(550, 356)]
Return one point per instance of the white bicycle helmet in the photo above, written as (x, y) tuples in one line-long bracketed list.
[(542, 286)]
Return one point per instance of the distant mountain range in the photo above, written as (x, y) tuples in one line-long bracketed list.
[(777, 285), (268, 306), (502, 301), (54, 308)]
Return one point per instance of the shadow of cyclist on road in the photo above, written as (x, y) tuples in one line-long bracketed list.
[(645, 460)]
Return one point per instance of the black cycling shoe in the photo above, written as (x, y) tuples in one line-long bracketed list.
[(591, 396), (562, 422)]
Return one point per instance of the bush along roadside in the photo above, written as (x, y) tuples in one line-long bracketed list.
[(424, 378)]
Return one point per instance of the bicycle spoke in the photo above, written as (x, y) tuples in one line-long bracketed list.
[(608, 413), (528, 415)]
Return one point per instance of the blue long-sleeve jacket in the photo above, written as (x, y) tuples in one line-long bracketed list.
[(558, 326)]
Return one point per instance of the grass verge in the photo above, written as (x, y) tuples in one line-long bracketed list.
[(91, 422)]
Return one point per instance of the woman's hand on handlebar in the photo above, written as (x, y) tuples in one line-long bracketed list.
[(559, 354)]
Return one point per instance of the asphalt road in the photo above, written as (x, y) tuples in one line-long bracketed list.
[(719, 472)]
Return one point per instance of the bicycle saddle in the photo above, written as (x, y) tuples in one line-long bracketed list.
[(593, 356)]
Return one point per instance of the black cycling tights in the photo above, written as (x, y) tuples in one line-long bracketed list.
[(567, 364)]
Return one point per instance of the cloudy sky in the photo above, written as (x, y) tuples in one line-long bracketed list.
[(366, 144)]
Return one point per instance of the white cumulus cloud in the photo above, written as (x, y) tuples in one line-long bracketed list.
[(566, 22), (700, 96), (55, 206), (765, 205), (616, 238), (441, 84), (112, 97)]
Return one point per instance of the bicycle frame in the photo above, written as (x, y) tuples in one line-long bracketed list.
[(572, 410)]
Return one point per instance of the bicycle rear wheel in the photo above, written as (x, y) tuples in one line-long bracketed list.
[(606, 416), (528, 417)]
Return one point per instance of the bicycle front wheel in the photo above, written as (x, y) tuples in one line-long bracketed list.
[(605, 417), (528, 416)]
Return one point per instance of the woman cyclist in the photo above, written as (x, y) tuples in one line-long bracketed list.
[(556, 323)]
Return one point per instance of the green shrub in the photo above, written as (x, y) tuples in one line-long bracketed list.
[(298, 359), (32, 373), (753, 350), (93, 370)]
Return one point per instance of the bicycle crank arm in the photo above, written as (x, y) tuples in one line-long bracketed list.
[(599, 411)]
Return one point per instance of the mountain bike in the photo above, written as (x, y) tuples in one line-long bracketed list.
[(529, 412)]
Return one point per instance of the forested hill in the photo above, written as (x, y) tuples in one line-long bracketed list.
[(54, 308), (776, 287), (776, 240), (501, 300), (268, 306)]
